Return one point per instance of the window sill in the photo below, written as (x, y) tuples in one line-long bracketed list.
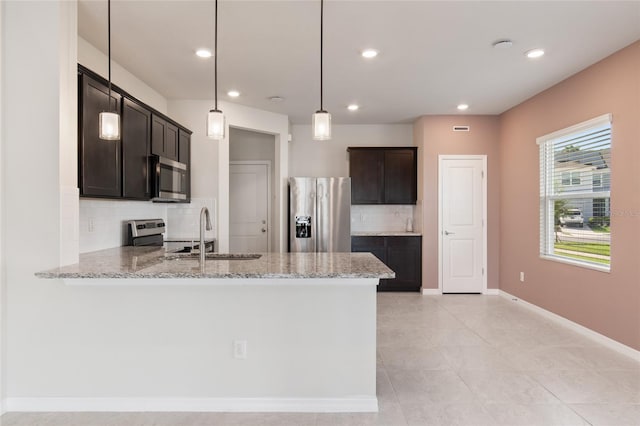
[(603, 268)]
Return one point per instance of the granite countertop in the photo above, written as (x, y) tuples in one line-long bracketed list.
[(386, 234), (156, 262)]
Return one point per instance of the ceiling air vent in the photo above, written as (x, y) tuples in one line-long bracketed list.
[(461, 128)]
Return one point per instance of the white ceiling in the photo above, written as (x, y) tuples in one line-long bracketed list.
[(433, 55)]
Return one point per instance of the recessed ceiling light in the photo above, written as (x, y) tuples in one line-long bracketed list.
[(233, 93), (369, 53), (534, 53), (276, 98), (204, 53), (463, 107), (353, 107), (503, 44)]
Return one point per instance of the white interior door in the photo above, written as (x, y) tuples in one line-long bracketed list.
[(462, 219), (248, 208)]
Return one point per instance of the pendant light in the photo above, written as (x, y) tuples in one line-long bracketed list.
[(215, 118), (321, 120), (109, 121)]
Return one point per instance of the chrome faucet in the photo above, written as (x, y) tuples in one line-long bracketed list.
[(204, 215)]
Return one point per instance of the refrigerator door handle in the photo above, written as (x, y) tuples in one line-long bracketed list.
[(319, 217)]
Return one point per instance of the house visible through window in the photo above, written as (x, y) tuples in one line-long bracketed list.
[(575, 188)]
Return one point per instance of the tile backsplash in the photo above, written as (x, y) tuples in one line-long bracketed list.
[(103, 223), (183, 220), (381, 218)]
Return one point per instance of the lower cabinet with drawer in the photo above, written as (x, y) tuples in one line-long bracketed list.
[(402, 254)]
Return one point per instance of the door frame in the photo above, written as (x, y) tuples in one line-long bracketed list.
[(441, 159), (269, 191)]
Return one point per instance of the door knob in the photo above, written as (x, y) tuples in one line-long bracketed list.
[(449, 233), (264, 229)]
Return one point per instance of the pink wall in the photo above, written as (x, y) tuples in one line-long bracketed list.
[(434, 136), (608, 303)]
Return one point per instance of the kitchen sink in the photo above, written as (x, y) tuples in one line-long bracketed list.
[(213, 256), (184, 250)]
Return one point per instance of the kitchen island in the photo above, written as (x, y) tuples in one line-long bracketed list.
[(283, 332)]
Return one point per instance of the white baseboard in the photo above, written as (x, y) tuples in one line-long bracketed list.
[(298, 405), (437, 292), (587, 332)]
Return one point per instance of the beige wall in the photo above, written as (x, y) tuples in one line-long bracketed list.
[(245, 145), (330, 158), (608, 303), (434, 136)]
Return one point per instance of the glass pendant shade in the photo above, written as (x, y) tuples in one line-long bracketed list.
[(215, 124), (109, 123), (321, 124)]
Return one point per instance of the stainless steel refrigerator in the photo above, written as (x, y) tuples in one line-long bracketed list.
[(320, 214)]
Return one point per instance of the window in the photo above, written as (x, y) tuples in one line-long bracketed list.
[(575, 185), (597, 180), (570, 178)]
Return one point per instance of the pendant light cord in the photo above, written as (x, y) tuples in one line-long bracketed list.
[(321, 51), (109, 46), (215, 59)]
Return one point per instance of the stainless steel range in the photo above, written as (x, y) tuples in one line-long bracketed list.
[(150, 232)]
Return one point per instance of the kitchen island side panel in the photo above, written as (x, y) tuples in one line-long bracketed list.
[(310, 342)]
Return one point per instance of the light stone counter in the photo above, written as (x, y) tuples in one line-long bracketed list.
[(386, 234), (155, 262)]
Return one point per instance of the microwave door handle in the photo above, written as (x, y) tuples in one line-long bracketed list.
[(156, 179), (320, 237)]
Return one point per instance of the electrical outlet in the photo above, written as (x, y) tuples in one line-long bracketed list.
[(521, 277), (240, 349), (92, 225)]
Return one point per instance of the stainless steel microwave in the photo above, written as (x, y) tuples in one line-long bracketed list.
[(170, 180)]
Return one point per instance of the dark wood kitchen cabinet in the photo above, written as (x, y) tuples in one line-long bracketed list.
[(375, 245), (366, 168), (184, 155), (121, 169), (383, 175), (136, 141), (403, 254), (164, 138), (100, 161)]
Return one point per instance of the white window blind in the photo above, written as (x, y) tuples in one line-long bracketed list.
[(575, 188)]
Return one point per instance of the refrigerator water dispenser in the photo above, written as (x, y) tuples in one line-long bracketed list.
[(303, 226)]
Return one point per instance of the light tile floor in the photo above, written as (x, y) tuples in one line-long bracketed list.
[(452, 360)]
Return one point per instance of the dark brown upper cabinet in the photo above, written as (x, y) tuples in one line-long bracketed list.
[(121, 169), (184, 155), (100, 161), (383, 175), (136, 141), (164, 138), (366, 168)]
